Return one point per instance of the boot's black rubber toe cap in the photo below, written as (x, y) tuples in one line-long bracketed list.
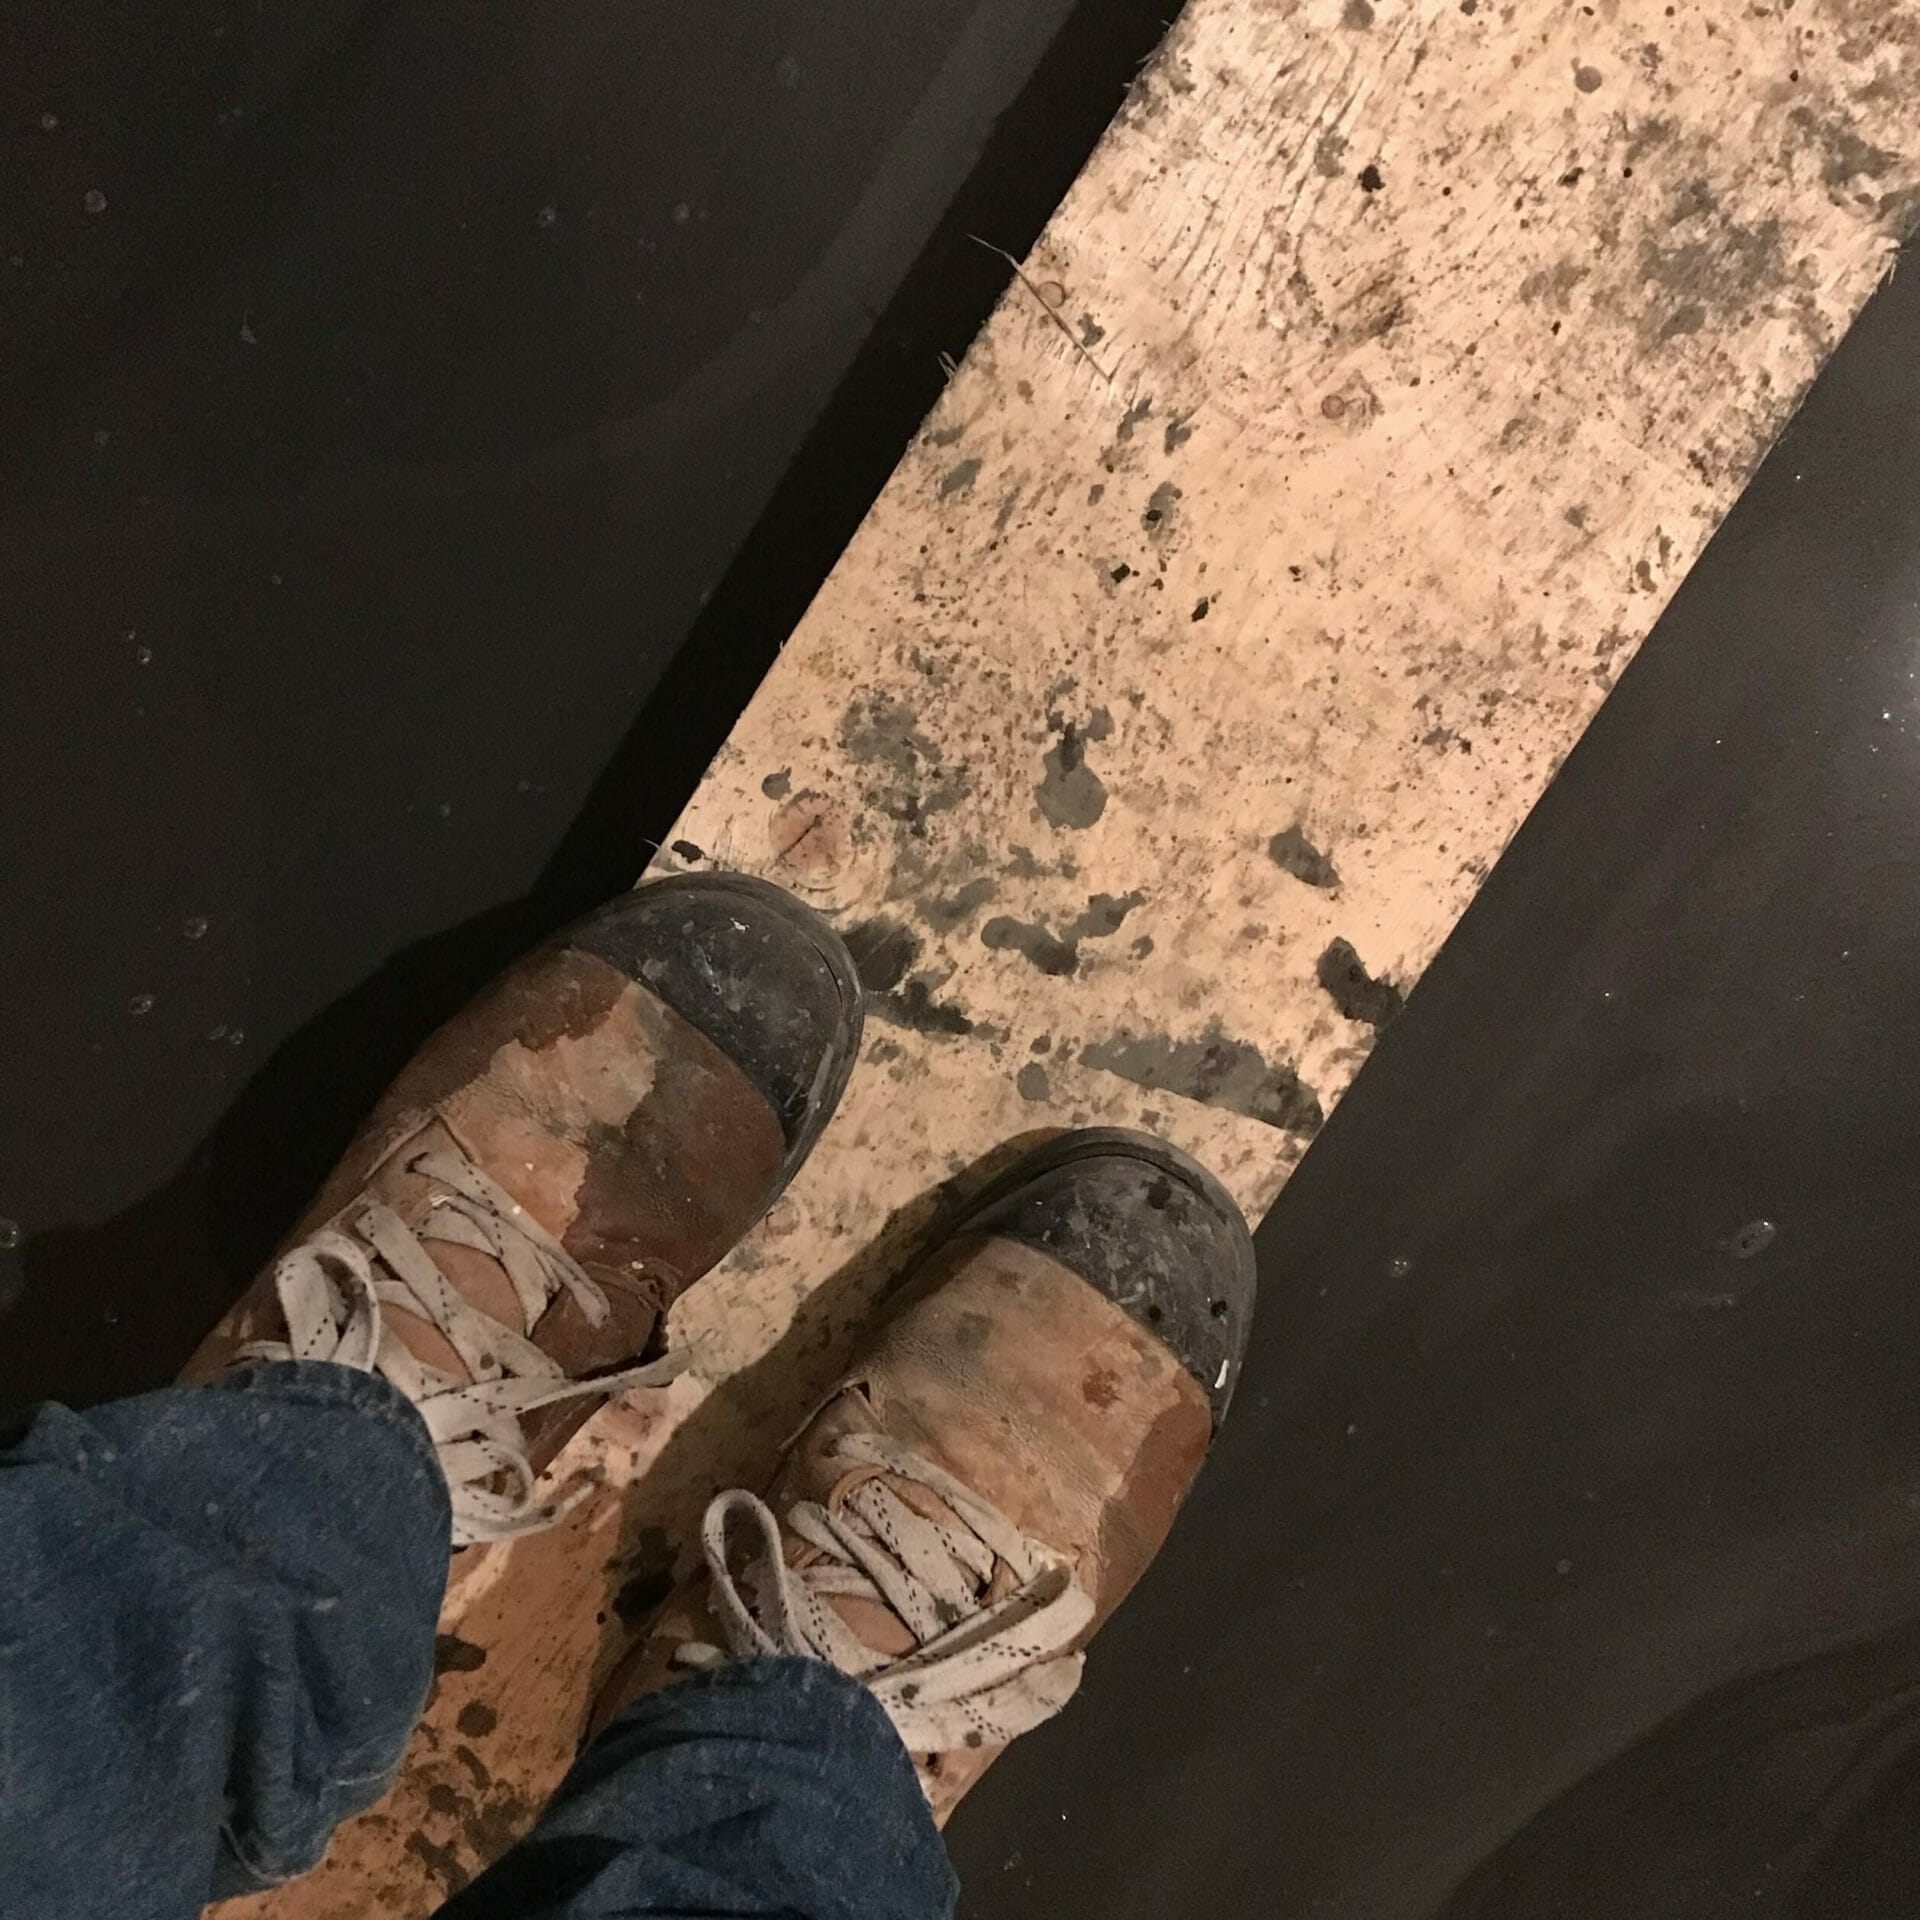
[(1148, 1226), (757, 971)]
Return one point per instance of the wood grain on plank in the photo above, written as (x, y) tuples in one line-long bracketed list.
[(1318, 475)]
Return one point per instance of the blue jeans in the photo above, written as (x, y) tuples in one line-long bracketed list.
[(217, 1616)]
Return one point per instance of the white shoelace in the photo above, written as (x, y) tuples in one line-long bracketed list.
[(332, 1289), (981, 1672)]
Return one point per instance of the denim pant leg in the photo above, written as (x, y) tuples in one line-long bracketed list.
[(216, 1633), (767, 1790)]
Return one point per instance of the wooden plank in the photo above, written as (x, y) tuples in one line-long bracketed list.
[(1341, 440)]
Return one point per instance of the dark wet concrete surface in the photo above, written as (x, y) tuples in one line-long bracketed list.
[(1581, 1422)]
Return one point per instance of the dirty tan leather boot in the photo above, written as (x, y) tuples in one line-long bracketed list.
[(999, 1468), (557, 1165)]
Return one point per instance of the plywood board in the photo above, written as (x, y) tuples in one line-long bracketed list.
[(1319, 474)]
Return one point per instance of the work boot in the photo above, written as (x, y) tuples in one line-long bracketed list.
[(555, 1167), (998, 1469)]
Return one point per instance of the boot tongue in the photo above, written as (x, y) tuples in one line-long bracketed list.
[(811, 1475), (477, 1277)]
